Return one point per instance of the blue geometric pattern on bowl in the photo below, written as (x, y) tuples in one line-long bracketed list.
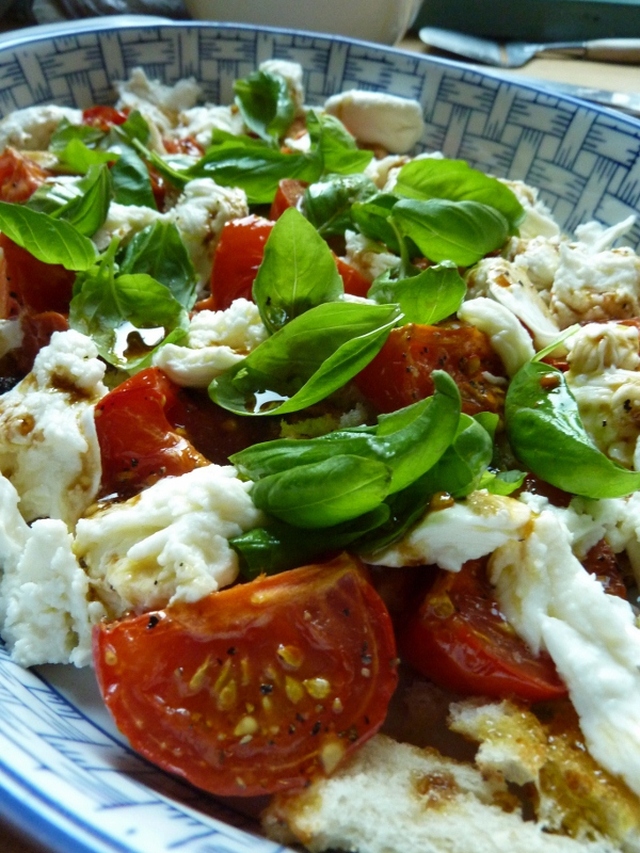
[(64, 777)]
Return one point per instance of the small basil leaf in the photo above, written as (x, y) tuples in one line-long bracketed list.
[(371, 218), (465, 461), (462, 232), (47, 239), (327, 204), (131, 181), (306, 360), (65, 132), (297, 272), (547, 435), (85, 205), (428, 297), (77, 157), (159, 251), (325, 493), (334, 146), (455, 180), (266, 104)]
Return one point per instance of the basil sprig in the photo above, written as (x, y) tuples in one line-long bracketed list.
[(265, 104), (306, 360), (334, 478), (84, 205), (547, 435), (429, 296)]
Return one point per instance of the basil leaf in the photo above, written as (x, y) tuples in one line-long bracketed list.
[(459, 231), (84, 205), (455, 180), (371, 217), (135, 128), (65, 132), (428, 297), (324, 493), (265, 104), (114, 309), (334, 146), (306, 360), (239, 161), (547, 435), (327, 204), (280, 546), (159, 251), (465, 461), (409, 441), (77, 157), (47, 239), (131, 181), (297, 272)]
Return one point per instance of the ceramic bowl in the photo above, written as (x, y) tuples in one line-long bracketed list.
[(67, 778)]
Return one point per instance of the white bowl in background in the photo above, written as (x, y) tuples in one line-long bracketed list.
[(66, 777), (384, 21)]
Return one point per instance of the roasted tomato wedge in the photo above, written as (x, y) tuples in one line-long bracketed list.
[(104, 117), (401, 372), (289, 193), (138, 444), (20, 176), (33, 284), (256, 688), (459, 639)]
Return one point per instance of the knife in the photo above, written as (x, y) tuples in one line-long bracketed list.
[(515, 54)]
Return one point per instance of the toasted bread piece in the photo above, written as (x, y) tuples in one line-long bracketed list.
[(396, 798)]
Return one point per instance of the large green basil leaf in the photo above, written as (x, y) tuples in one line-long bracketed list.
[(298, 272), (547, 435), (131, 181), (266, 104), (84, 204), (334, 147), (327, 204), (458, 231), (455, 180), (305, 361), (49, 240)]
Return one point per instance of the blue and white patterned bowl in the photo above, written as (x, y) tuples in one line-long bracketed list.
[(66, 777)]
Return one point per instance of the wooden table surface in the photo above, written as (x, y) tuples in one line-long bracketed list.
[(622, 78)]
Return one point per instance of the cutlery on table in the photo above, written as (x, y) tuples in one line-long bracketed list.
[(515, 54)]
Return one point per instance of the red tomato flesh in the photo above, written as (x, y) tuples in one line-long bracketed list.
[(459, 639), (401, 372), (20, 176), (33, 284), (138, 444), (257, 688)]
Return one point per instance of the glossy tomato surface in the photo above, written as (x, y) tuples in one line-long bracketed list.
[(401, 372), (257, 688), (20, 176), (460, 640)]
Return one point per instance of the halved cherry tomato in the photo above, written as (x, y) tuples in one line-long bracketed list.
[(20, 176), (401, 372), (138, 444), (237, 258), (354, 282), (185, 145), (459, 639), (34, 285), (288, 194), (257, 688), (104, 117)]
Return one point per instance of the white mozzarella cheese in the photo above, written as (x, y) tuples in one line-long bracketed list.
[(48, 444), (377, 118), (31, 128), (170, 542)]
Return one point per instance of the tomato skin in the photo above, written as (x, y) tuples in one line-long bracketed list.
[(20, 176), (138, 444), (237, 258), (256, 688), (103, 117), (354, 282), (401, 372), (289, 193), (602, 562), (459, 640), (36, 286)]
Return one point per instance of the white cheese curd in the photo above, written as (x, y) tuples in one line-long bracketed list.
[(554, 604), (199, 122), (537, 220), (170, 542), (31, 128), (367, 256), (45, 610), (48, 444), (200, 214), (124, 221), (159, 104), (488, 521), (508, 337), (216, 340), (377, 118), (10, 335), (604, 377)]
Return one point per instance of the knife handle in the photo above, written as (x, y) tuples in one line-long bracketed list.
[(625, 50)]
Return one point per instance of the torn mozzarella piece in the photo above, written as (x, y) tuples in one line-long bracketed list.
[(508, 336), (48, 444), (170, 542), (377, 118), (31, 128)]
